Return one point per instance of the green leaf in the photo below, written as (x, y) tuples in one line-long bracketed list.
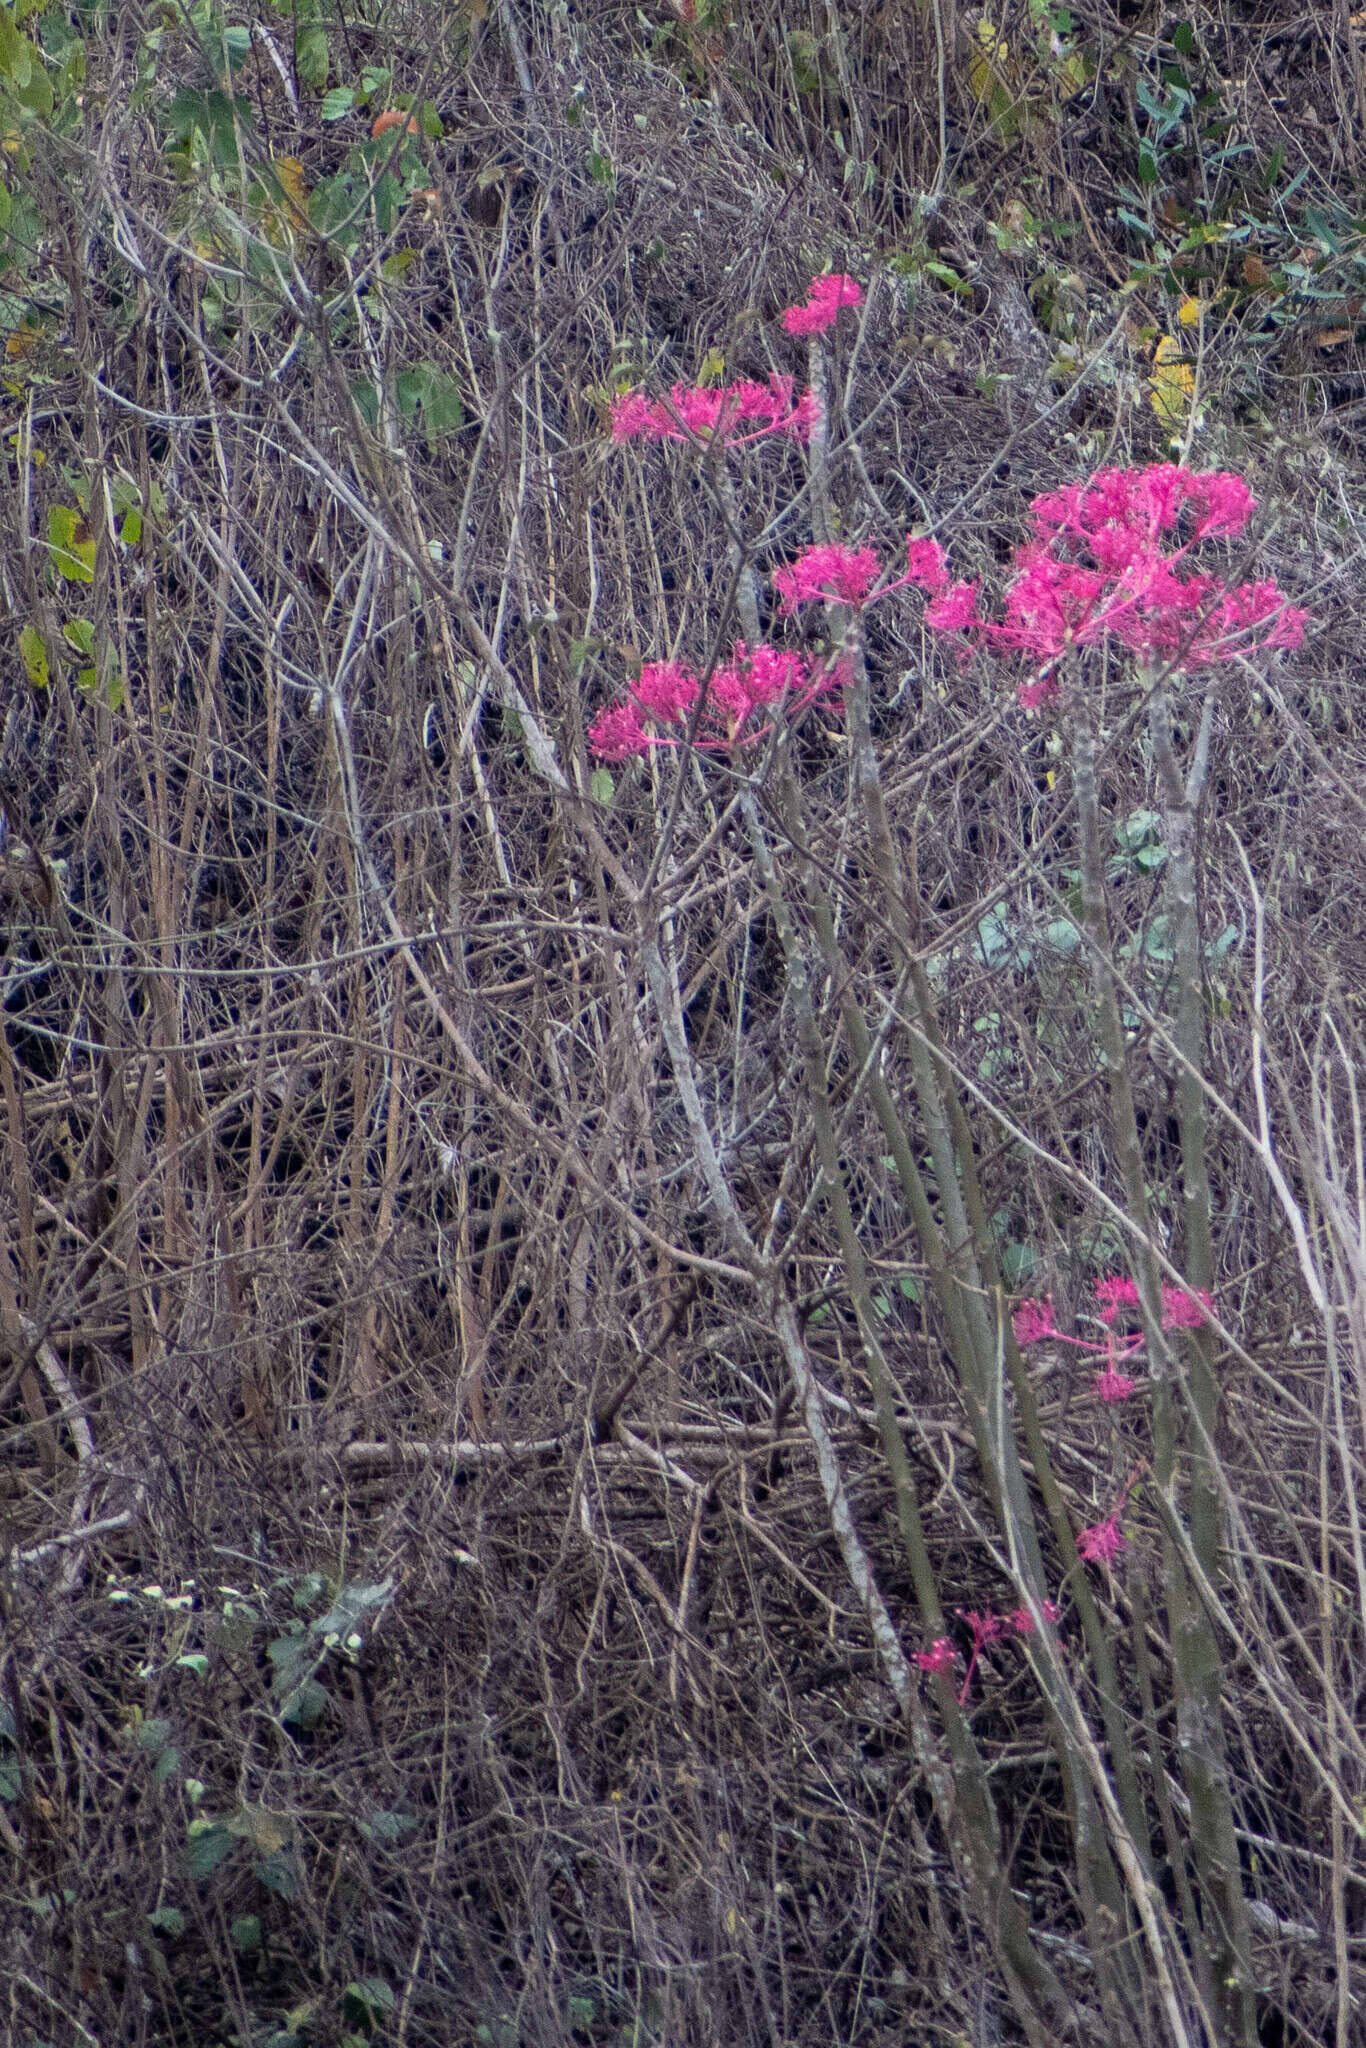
[(33, 650), (37, 95), (384, 1826), (804, 54), (409, 386), (332, 209), (1062, 936), (443, 409), (305, 1706), (337, 104), (1137, 827), (73, 551), (602, 786), (245, 1933), (365, 2000), (16, 52), (365, 398), (207, 1845), (168, 1764), (153, 1736), (1018, 1262), (311, 59), (388, 202), (279, 1874), (80, 634), (350, 1606), (130, 533), (194, 1660), (167, 1920)]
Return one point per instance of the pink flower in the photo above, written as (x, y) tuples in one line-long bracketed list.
[(698, 407), (986, 1628), (1021, 1621), (617, 734), (753, 401), (926, 564), (1111, 1386), (941, 1656), (1229, 504), (1114, 1294), (666, 690), (1103, 1542), (751, 681), (845, 573), (1183, 1311), (633, 417), (667, 695), (1097, 570), (823, 301), (1033, 1320), (703, 410), (954, 610)]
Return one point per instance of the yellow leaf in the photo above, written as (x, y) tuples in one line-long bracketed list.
[(1188, 312), (987, 61), (290, 174), (1173, 383)]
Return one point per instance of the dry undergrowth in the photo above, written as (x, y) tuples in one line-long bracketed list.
[(359, 1268)]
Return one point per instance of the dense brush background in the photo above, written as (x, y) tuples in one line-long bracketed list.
[(358, 1286)]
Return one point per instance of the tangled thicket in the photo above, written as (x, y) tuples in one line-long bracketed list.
[(461, 1302)]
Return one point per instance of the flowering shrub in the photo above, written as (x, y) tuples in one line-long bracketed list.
[(744, 411), (823, 302), (833, 572), (985, 1628), (739, 413), (1116, 1297), (1107, 561), (733, 709)]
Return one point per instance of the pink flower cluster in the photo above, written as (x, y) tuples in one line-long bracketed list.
[(985, 1628), (835, 571), (844, 575), (823, 302), (1106, 562), (1103, 1541), (1115, 1297), (739, 413), (1181, 1310), (667, 701)]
